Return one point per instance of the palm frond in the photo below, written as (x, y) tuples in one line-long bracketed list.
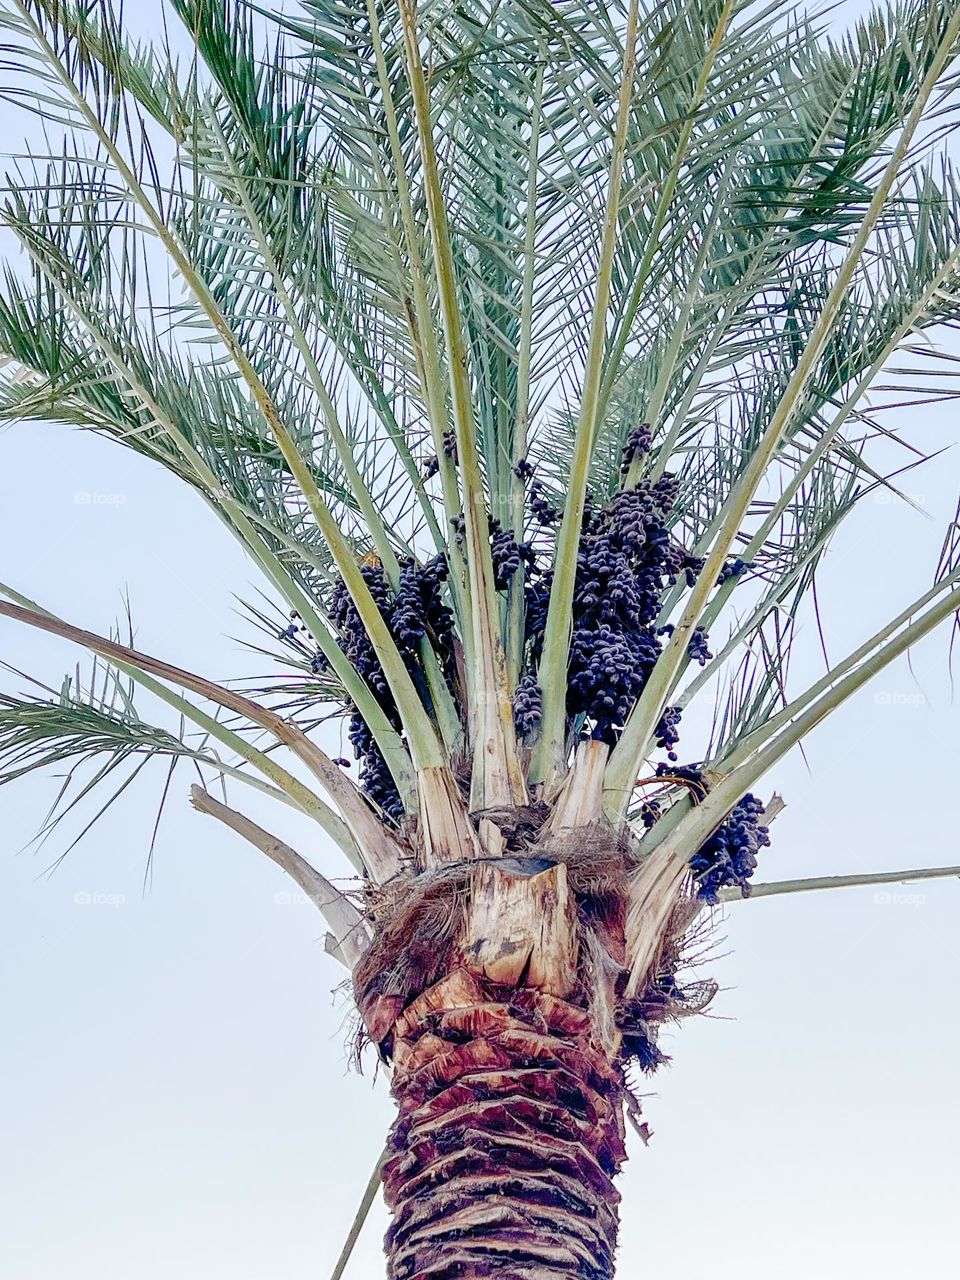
[(90, 734)]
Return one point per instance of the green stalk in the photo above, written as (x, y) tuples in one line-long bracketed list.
[(704, 818), (515, 597), (663, 206), (549, 759), (679, 417), (764, 606), (360, 1217), (497, 779), (667, 368), (748, 745), (425, 338), (498, 455), (774, 888), (424, 745), (444, 708), (626, 756)]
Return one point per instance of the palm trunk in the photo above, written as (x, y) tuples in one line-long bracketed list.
[(496, 989), (509, 1134)]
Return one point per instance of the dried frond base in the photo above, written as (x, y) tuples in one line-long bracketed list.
[(509, 1135)]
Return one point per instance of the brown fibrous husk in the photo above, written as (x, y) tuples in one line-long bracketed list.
[(417, 920)]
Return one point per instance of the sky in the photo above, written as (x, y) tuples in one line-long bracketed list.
[(176, 1095)]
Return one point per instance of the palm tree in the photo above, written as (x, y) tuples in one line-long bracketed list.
[(524, 348)]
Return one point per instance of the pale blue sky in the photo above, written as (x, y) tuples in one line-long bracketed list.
[(176, 1097)]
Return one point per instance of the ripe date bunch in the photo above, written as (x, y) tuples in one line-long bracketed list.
[(415, 609), (628, 558)]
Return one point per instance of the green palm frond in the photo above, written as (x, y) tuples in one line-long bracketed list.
[(93, 720), (81, 721)]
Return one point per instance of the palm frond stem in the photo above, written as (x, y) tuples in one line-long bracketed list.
[(345, 455), (548, 762), (425, 339), (343, 919), (27, 611), (746, 767), (748, 745), (496, 776), (666, 371), (667, 192), (515, 595), (857, 879), (360, 1217)]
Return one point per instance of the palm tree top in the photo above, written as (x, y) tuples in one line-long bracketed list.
[(443, 310)]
